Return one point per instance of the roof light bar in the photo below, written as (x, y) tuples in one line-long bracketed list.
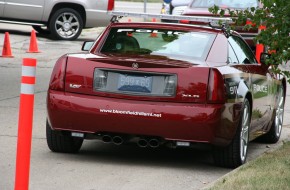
[(212, 20)]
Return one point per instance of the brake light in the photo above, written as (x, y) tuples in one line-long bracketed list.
[(57, 79), (111, 5), (216, 88)]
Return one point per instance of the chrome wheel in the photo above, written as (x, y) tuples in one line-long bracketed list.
[(67, 25), (279, 113), (244, 135)]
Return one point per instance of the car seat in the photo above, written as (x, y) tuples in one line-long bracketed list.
[(126, 44)]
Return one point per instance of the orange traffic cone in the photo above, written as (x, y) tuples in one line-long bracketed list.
[(33, 48), (259, 50), (260, 47), (130, 34), (154, 34), (6, 51)]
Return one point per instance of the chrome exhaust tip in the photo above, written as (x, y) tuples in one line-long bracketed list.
[(154, 143), (142, 143), (117, 140), (107, 139)]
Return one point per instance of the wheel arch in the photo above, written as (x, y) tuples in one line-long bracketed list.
[(244, 92), (77, 7), (247, 94)]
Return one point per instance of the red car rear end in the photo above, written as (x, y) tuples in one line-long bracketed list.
[(160, 84), (172, 104)]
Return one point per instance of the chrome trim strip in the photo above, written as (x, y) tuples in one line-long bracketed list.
[(2, 2), (24, 5), (248, 34), (23, 23), (97, 11)]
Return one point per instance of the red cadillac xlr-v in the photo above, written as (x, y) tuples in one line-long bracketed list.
[(158, 84)]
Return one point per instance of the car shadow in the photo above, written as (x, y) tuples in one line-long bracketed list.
[(20, 32), (45, 36), (185, 158)]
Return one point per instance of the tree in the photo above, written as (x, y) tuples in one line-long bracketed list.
[(275, 16)]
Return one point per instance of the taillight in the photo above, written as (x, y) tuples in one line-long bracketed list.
[(170, 85), (111, 5), (58, 75), (100, 79), (216, 88)]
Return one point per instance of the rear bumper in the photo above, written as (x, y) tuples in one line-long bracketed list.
[(170, 121)]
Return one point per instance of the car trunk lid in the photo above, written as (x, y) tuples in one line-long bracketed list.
[(153, 80)]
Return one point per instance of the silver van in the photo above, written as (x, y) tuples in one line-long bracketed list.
[(63, 19)]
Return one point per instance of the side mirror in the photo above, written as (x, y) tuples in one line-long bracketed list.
[(87, 45), (264, 57)]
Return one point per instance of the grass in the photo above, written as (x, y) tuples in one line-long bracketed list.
[(270, 171)]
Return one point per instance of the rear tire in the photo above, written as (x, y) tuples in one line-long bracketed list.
[(274, 133), (58, 142), (235, 154)]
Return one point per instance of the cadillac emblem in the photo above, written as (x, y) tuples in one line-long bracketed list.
[(135, 65)]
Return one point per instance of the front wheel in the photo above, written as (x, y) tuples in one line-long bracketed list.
[(58, 142), (66, 24), (235, 154)]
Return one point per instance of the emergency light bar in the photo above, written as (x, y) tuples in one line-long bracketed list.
[(217, 20)]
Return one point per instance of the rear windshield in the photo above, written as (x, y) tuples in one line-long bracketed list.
[(236, 4), (172, 44)]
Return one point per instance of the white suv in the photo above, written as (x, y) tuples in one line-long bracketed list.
[(63, 19)]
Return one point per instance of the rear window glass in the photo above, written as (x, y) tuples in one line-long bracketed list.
[(172, 44), (243, 4)]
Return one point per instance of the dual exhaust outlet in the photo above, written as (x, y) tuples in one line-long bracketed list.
[(117, 140), (142, 142), (153, 143)]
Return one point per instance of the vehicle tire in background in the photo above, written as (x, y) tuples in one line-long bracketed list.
[(66, 24), (274, 134), (58, 142), (235, 154), (41, 30)]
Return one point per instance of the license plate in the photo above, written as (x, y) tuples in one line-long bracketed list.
[(135, 83)]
